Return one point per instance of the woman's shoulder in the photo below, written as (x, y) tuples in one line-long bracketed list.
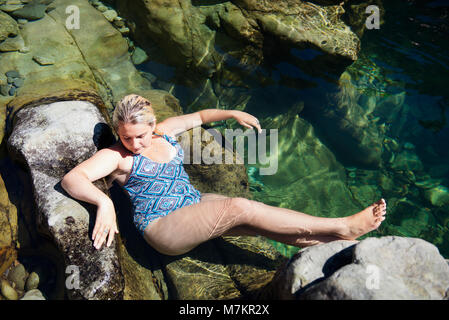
[(162, 130), (123, 156), (117, 149)]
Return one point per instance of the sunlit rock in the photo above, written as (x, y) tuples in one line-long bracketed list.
[(40, 139), (386, 268)]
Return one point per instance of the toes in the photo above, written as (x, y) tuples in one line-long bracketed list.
[(380, 207), (377, 211), (380, 202)]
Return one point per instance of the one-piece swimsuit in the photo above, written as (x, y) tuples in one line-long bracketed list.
[(156, 189)]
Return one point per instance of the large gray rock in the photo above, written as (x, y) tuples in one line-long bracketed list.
[(393, 268), (311, 265), (50, 139)]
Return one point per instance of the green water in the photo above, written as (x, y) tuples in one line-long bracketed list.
[(395, 91)]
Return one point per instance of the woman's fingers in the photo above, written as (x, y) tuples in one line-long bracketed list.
[(94, 232), (97, 236), (246, 125), (101, 237), (112, 232), (102, 233), (252, 124)]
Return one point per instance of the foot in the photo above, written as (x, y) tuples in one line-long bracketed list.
[(364, 221)]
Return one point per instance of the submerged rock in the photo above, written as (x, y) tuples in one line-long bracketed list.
[(139, 56), (10, 7), (187, 33), (8, 26), (407, 160), (12, 44), (301, 22), (44, 61), (31, 11), (438, 196), (304, 166)]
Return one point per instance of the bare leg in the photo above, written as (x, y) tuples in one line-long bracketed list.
[(185, 228), (306, 241), (247, 230)]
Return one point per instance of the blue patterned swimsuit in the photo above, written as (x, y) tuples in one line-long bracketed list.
[(156, 189)]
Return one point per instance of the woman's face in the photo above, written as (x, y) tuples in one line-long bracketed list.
[(136, 137)]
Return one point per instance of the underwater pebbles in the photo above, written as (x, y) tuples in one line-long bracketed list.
[(13, 82)]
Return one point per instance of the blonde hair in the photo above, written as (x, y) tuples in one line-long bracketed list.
[(133, 109)]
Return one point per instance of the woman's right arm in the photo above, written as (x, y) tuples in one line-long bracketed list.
[(78, 183)]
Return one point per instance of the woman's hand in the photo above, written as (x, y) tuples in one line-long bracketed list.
[(105, 224), (247, 120)]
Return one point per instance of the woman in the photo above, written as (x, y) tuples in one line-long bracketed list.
[(174, 217)]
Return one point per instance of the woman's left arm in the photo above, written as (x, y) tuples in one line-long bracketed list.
[(179, 124)]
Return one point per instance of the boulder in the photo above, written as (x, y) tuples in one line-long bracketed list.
[(310, 266), (40, 139), (386, 268)]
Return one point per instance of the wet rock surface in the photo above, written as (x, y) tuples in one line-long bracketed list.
[(187, 30)]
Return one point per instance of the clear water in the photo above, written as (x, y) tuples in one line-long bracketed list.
[(399, 84)]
